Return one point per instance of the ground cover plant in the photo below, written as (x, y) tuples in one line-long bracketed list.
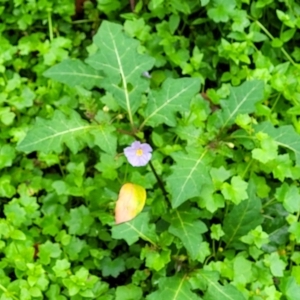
[(191, 108)]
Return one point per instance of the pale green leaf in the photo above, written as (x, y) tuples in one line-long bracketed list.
[(128, 292), (155, 259), (173, 288), (137, 228), (285, 136), (289, 196), (241, 263), (174, 96), (189, 174), (241, 100), (74, 72), (268, 150), (243, 217), (188, 230), (276, 265), (123, 66), (50, 135), (7, 155), (236, 190), (209, 199)]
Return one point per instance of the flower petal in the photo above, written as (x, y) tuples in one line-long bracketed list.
[(138, 158)]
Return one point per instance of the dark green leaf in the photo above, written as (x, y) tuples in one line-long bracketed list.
[(188, 230), (243, 217)]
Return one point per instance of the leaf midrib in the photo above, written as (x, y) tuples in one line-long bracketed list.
[(57, 134)]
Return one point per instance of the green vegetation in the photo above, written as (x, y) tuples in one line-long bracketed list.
[(213, 86)]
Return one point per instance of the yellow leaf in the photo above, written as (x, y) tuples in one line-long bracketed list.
[(131, 201)]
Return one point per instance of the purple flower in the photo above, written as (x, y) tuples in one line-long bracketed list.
[(138, 154)]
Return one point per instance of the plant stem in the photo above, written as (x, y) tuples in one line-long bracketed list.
[(160, 183), (50, 26), (82, 21), (275, 103)]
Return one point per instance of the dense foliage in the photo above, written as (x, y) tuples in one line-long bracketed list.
[(213, 86)]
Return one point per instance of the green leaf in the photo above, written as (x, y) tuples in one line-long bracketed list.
[(289, 196), (227, 292), (285, 136), (244, 277), (236, 190), (268, 150), (189, 174), (61, 268), (48, 250), (219, 176), (243, 217), (123, 66), (155, 259), (6, 189), (6, 115), (256, 237), (294, 229), (49, 135), (105, 138), (128, 292), (74, 72), (221, 10), (208, 280), (7, 155), (241, 100), (174, 96), (276, 265), (188, 230), (79, 220), (173, 288), (216, 232), (290, 288), (17, 235), (112, 267), (133, 230)]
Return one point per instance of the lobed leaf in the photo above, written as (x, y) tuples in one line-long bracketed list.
[(122, 65), (285, 136), (50, 135), (188, 230), (105, 138), (173, 288), (137, 228), (74, 72), (189, 174), (174, 96), (241, 100)]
